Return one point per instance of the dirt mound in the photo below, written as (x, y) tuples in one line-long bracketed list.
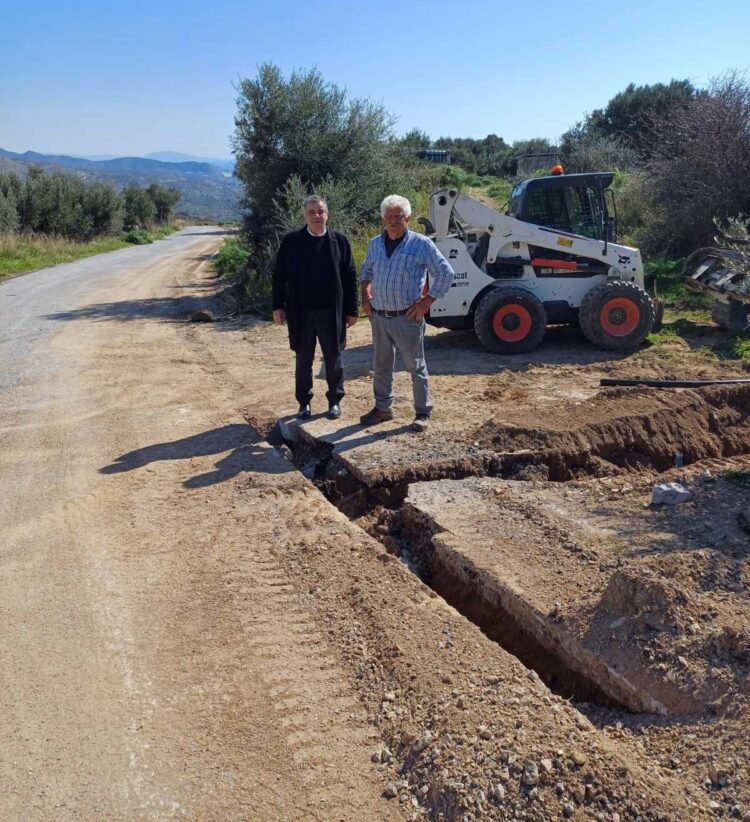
[(630, 430)]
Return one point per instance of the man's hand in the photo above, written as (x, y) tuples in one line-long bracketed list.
[(279, 316), (350, 321), (419, 309), (366, 297)]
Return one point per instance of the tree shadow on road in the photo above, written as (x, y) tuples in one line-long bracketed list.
[(248, 453), (160, 308)]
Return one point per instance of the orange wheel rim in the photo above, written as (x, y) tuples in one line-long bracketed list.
[(620, 316), (512, 323)]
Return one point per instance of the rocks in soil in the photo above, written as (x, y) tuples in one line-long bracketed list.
[(204, 315), (670, 493)]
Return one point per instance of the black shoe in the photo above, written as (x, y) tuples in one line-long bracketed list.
[(375, 417), (304, 412), (334, 411)]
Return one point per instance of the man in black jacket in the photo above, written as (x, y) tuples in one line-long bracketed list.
[(315, 293)]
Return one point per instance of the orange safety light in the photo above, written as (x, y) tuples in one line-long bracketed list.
[(557, 169)]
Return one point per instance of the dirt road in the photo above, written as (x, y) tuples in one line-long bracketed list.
[(193, 630), (153, 663)]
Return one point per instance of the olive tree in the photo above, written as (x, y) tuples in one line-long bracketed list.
[(306, 128)]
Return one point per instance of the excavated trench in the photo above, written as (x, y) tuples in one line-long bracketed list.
[(712, 422)]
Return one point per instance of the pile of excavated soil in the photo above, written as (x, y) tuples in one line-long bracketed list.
[(629, 428)]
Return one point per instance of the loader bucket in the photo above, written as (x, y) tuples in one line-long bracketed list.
[(718, 271), (724, 274)]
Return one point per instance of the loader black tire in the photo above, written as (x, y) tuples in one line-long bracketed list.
[(616, 315), (510, 321)]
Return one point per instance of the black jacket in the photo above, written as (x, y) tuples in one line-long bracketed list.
[(286, 281)]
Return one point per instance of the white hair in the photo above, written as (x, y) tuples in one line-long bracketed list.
[(396, 201), (314, 198)]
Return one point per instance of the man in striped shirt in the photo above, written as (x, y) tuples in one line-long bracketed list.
[(394, 297)]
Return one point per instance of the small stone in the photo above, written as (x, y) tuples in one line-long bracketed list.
[(714, 806), (389, 696), (568, 810), (391, 790), (423, 741), (499, 792), (670, 493), (579, 794), (579, 758), (546, 766), (204, 315), (286, 452), (530, 774), (484, 732)]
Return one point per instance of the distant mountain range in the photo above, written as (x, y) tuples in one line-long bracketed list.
[(208, 189)]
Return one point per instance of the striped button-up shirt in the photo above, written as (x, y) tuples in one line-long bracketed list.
[(397, 281)]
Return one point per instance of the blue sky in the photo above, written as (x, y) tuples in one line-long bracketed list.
[(88, 77)]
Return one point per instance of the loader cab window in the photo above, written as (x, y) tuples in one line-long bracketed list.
[(574, 207)]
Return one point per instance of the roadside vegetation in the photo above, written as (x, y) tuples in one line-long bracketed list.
[(47, 219)]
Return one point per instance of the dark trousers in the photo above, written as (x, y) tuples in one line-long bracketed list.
[(318, 325)]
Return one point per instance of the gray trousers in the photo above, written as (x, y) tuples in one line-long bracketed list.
[(390, 334)]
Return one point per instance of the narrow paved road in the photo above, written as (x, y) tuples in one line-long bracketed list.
[(155, 663)]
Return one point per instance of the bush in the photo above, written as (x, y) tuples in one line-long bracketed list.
[(232, 259), (700, 166), (138, 236)]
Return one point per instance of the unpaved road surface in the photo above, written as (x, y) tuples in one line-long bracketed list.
[(153, 664), (195, 626)]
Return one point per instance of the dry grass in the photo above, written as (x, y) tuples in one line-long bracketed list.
[(21, 253)]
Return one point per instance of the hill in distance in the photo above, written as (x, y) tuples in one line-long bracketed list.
[(207, 191), (178, 157)]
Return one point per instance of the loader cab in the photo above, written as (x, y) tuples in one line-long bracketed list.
[(570, 203)]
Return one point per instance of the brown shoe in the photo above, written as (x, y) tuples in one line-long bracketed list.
[(375, 417), (421, 423)]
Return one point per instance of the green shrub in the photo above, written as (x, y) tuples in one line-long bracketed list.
[(138, 237), (232, 258)]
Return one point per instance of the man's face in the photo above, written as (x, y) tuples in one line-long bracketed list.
[(316, 217), (395, 222)]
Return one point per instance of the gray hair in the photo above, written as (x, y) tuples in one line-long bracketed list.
[(314, 198), (396, 201)]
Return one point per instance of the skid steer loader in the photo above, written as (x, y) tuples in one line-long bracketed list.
[(552, 258)]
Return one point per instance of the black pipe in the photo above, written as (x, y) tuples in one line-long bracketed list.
[(673, 383)]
